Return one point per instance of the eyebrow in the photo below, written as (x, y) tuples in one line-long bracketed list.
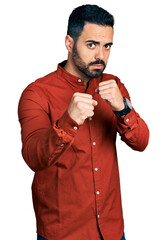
[(96, 42)]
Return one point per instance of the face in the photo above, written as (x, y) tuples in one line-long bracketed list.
[(91, 51)]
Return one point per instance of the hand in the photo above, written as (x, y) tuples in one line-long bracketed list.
[(81, 107), (110, 92)]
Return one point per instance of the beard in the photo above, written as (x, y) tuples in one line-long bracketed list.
[(84, 68)]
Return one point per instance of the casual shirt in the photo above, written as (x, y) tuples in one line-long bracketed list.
[(76, 186)]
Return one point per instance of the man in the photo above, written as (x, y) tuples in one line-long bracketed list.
[(69, 122)]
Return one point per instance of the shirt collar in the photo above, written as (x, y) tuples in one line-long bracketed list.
[(71, 78)]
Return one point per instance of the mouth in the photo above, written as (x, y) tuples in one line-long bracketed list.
[(98, 66)]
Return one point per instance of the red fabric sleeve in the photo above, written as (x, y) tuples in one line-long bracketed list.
[(132, 128), (43, 143)]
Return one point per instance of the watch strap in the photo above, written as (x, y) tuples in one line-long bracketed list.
[(126, 110)]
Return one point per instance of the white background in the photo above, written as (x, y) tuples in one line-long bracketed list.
[(32, 44)]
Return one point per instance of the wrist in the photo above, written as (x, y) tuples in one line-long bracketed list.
[(127, 108)]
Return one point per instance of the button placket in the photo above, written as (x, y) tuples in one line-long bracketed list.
[(96, 170), (97, 184)]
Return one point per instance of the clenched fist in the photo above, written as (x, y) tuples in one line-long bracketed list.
[(109, 91), (81, 107)]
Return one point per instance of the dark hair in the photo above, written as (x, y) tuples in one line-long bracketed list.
[(87, 13)]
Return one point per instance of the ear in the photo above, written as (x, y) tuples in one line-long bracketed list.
[(69, 42)]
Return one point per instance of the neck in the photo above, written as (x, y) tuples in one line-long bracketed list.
[(72, 69)]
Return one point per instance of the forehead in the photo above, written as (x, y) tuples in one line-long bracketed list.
[(97, 32)]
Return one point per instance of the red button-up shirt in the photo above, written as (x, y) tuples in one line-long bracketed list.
[(76, 186)]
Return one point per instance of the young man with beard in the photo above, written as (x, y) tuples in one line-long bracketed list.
[(69, 122)]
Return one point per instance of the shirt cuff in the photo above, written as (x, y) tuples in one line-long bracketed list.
[(68, 124), (127, 122)]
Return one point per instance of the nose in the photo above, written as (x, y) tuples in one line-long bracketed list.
[(100, 53)]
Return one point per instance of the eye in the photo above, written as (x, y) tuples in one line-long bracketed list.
[(91, 45), (108, 46)]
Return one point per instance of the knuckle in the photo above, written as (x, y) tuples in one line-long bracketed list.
[(76, 99), (88, 95), (91, 102), (91, 114), (92, 107), (83, 117), (115, 84), (74, 95), (78, 104), (112, 80), (114, 91)]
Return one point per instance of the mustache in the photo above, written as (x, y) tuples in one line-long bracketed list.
[(98, 62)]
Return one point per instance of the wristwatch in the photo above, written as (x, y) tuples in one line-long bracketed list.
[(126, 110)]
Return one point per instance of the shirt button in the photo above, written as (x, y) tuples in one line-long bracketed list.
[(94, 143), (62, 145), (98, 216), (96, 169), (79, 80), (75, 128), (97, 192), (90, 118), (127, 120)]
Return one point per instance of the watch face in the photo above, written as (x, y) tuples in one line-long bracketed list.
[(129, 103)]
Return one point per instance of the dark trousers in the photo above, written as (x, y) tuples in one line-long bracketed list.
[(42, 238)]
